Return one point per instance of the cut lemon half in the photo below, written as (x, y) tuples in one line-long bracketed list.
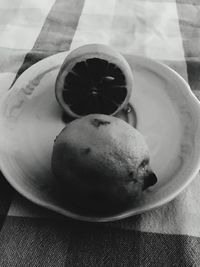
[(93, 78)]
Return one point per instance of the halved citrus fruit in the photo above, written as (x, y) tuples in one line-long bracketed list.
[(93, 78)]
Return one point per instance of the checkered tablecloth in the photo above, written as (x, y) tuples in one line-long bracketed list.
[(165, 30)]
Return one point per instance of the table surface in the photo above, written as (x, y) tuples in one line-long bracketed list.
[(167, 31)]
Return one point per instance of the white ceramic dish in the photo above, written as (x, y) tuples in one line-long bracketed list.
[(168, 116)]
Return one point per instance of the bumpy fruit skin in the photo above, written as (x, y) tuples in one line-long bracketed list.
[(102, 163), (83, 53)]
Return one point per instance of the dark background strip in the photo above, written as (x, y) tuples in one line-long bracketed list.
[(190, 30), (56, 36), (57, 32), (6, 195)]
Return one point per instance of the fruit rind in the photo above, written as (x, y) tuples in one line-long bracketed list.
[(89, 51), (101, 156)]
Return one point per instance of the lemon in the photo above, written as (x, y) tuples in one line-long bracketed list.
[(94, 78), (102, 163)]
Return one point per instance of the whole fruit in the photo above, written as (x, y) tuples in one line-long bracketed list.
[(102, 163)]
